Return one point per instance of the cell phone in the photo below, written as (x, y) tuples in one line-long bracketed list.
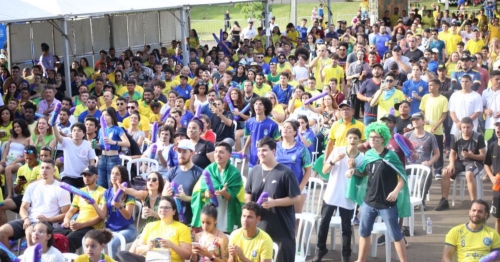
[(22, 178), (196, 244), (383, 82), (214, 104)]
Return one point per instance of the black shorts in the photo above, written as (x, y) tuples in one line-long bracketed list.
[(495, 204), (59, 153), (17, 226), (462, 166), (18, 200)]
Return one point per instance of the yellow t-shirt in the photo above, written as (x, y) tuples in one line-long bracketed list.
[(103, 104), (85, 258), (257, 248), (36, 173), (494, 31), (471, 246), (176, 232), (169, 85), (154, 118), (434, 107), (278, 108), (317, 69), (87, 211), (339, 130), (280, 69), (333, 72), (145, 109), (143, 124), (6, 129), (450, 68), (451, 40), (80, 109), (384, 106), (394, 19), (123, 89), (32, 174), (443, 35), (293, 36), (263, 90), (474, 46)]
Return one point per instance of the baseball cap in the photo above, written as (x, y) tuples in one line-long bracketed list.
[(378, 65), (2, 56), (345, 103), (393, 66), (465, 57), (108, 83), (417, 115), (186, 144), (90, 170), (180, 131), (320, 41), (396, 48), (435, 50), (441, 66), (389, 117), (396, 106), (475, 29), (497, 122), (473, 58)]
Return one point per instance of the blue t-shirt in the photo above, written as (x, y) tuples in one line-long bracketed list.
[(186, 118), (439, 44), (433, 66), (421, 88), (81, 117), (172, 157), (188, 180), (380, 41), (205, 110), (120, 118), (476, 77), (302, 32), (257, 131), (283, 95), (309, 136), (114, 133), (115, 220), (184, 92), (296, 158), (320, 12)]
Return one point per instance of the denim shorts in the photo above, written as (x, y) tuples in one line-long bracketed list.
[(389, 216)]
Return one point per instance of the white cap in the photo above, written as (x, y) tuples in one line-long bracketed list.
[(186, 144), (3, 56)]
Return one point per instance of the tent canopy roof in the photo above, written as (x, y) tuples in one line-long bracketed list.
[(35, 10)]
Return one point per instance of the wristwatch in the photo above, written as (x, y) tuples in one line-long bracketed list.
[(332, 163)]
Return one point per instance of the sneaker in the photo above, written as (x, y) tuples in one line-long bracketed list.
[(405, 231), (320, 253), (381, 240), (355, 222), (438, 176), (443, 205)]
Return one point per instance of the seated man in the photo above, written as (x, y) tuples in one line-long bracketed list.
[(42, 201), (472, 240), (87, 218), (249, 242), (466, 155)]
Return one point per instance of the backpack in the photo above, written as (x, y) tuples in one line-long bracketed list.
[(61, 243)]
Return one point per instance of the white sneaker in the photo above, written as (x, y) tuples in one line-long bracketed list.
[(438, 176)]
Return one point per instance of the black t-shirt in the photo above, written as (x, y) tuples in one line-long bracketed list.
[(414, 55), (401, 124), (239, 79), (382, 180), (278, 222), (446, 89), (219, 127), (472, 144), (368, 89), (201, 149), (492, 157)]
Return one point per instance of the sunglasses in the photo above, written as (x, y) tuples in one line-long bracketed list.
[(29, 151), (152, 179), (130, 107), (389, 80)]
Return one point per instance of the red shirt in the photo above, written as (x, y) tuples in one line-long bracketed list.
[(209, 136)]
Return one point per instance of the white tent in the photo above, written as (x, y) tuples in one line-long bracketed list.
[(92, 25)]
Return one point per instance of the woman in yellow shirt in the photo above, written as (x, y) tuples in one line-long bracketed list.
[(277, 114), (494, 50), (451, 65), (94, 243), (167, 238), (269, 54), (194, 41)]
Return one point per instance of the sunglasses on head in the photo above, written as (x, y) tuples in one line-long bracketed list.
[(29, 151), (272, 63)]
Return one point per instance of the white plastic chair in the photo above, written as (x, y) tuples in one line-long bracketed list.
[(303, 236), (276, 248), (137, 213), (314, 200), (69, 257), (379, 228), (244, 181), (336, 223), (418, 174), (242, 164), (143, 167), (462, 180)]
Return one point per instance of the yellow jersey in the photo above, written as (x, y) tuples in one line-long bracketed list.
[(169, 85), (6, 129), (176, 232), (143, 124), (470, 246), (85, 258), (145, 109), (451, 41), (317, 68), (330, 72), (262, 90), (286, 66), (434, 107), (123, 89), (494, 32), (474, 46), (86, 210), (385, 105), (339, 130), (257, 248)]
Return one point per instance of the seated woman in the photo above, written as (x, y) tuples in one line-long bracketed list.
[(277, 114), (134, 131), (118, 215), (94, 242), (43, 234), (43, 135), (213, 243), (165, 142), (207, 134), (168, 238)]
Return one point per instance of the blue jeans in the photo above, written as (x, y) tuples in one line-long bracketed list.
[(106, 163), (369, 119), (129, 233), (390, 217)]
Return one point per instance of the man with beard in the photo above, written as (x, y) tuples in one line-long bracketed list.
[(91, 111), (139, 72), (145, 103), (366, 92), (357, 73), (472, 239)]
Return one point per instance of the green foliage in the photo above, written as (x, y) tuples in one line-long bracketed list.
[(252, 10)]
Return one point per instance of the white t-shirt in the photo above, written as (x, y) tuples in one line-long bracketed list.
[(76, 158), (338, 182), (465, 104), (45, 200), (300, 72), (466, 36), (491, 100), (248, 33), (52, 255), (66, 130)]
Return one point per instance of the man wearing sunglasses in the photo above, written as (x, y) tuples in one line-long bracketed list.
[(139, 72), (143, 124), (435, 42), (387, 96), (43, 201), (121, 109), (91, 111)]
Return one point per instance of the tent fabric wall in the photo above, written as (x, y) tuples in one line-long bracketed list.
[(90, 35)]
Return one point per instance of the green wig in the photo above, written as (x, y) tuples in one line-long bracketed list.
[(381, 129)]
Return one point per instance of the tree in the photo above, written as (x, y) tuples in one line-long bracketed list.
[(253, 10)]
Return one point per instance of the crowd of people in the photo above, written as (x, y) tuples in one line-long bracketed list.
[(432, 77)]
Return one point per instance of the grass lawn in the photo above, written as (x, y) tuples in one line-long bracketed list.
[(209, 19)]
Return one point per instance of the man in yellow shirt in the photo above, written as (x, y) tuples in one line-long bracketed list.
[(472, 240), (320, 61), (260, 88), (494, 29), (88, 218), (395, 17), (475, 44), (387, 96), (334, 70), (249, 243), (169, 83), (339, 129), (292, 34), (283, 64), (452, 39), (143, 124), (145, 103)]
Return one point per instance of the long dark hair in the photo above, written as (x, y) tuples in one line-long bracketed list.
[(123, 174), (161, 182), (25, 131), (50, 231), (174, 206), (112, 113)]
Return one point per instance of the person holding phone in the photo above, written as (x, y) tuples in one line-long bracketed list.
[(388, 95), (211, 243)]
